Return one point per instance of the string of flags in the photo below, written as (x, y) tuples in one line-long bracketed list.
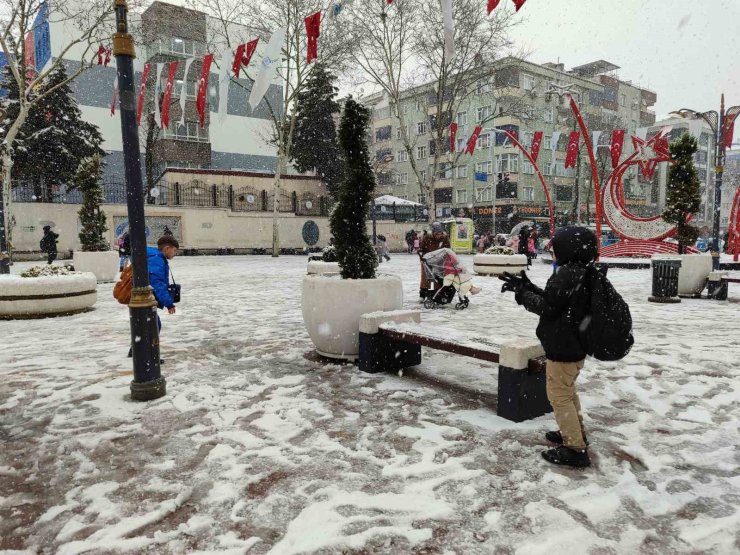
[(493, 4)]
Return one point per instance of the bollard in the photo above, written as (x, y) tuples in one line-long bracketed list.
[(665, 280)]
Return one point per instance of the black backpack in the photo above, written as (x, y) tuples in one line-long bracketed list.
[(606, 330)]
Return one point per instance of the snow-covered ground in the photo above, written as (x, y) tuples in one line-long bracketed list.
[(259, 447)]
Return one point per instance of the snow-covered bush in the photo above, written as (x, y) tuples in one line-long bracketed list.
[(497, 249), (92, 218), (46, 271), (329, 254)]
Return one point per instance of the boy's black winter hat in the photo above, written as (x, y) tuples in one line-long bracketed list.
[(574, 244)]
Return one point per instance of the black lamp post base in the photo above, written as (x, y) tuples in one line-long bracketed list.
[(148, 391)]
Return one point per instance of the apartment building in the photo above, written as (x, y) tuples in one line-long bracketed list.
[(522, 97), (165, 32), (730, 184)]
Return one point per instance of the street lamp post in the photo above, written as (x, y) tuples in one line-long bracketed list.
[(148, 383), (720, 123)]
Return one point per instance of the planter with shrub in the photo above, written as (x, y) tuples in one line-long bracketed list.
[(497, 260), (333, 303)]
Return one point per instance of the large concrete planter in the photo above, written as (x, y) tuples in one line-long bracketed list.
[(103, 264), (694, 272), (497, 264), (332, 307), (321, 267), (41, 297)]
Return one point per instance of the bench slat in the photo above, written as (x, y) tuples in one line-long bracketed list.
[(440, 344)]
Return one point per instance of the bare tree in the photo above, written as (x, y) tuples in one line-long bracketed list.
[(84, 26), (235, 19), (402, 48)]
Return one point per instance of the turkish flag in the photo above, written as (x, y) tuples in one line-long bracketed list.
[(313, 31), (492, 5), (470, 149), (168, 94), (108, 53), (536, 142), (453, 135), (572, 155), (200, 102), (142, 88), (101, 53), (518, 4), (728, 131), (243, 56), (616, 146)]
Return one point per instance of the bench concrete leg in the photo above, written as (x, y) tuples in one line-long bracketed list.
[(521, 392), (380, 354)]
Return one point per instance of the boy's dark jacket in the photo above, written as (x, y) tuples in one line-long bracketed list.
[(159, 277), (564, 302)]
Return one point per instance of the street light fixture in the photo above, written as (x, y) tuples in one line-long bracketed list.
[(720, 123)]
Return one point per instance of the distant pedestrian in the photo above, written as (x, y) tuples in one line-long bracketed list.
[(48, 244), (124, 250), (382, 249)]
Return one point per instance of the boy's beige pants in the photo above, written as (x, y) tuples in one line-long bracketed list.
[(561, 392)]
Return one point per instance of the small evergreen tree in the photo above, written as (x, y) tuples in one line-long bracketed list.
[(355, 253), (315, 141), (683, 194), (92, 218), (54, 138)]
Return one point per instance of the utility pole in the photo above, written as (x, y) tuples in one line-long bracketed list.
[(148, 383)]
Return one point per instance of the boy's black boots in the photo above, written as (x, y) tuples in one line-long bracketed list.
[(566, 456), (557, 438)]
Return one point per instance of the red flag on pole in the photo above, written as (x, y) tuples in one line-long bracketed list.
[(142, 88), (108, 53), (200, 102), (616, 146), (313, 24), (536, 143), (470, 149), (390, 2), (492, 5), (243, 56), (101, 53), (728, 133), (453, 135), (518, 4), (168, 94), (572, 155)]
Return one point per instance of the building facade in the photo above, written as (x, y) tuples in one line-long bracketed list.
[(166, 33), (522, 97)]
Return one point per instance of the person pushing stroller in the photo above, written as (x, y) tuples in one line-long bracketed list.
[(444, 270)]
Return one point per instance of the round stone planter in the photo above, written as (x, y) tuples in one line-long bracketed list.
[(41, 297), (103, 264), (497, 264), (332, 307), (321, 267), (694, 272)]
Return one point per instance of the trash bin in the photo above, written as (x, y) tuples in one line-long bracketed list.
[(665, 280), (4, 263)]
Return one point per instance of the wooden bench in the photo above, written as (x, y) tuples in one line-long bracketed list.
[(717, 285), (390, 341)]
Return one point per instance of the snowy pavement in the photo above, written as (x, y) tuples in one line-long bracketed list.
[(259, 447)]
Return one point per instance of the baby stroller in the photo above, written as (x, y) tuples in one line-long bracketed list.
[(446, 278)]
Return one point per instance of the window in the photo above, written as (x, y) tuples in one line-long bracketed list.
[(398, 133), (421, 198), (462, 118), (421, 128), (529, 82), (561, 170), (177, 89), (484, 141), (461, 145), (623, 100), (563, 192), (508, 163), (484, 113), (191, 131), (483, 194), (423, 176), (384, 155), (402, 156), (445, 171), (506, 189), (402, 178), (462, 171), (527, 167), (421, 152), (484, 86), (547, 168), (701, 157), (546, 143), (461, 196), (484, 167), (527, 139), (382, 113), (383, 134), (548, 115), (528, 193), (419, 105)]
